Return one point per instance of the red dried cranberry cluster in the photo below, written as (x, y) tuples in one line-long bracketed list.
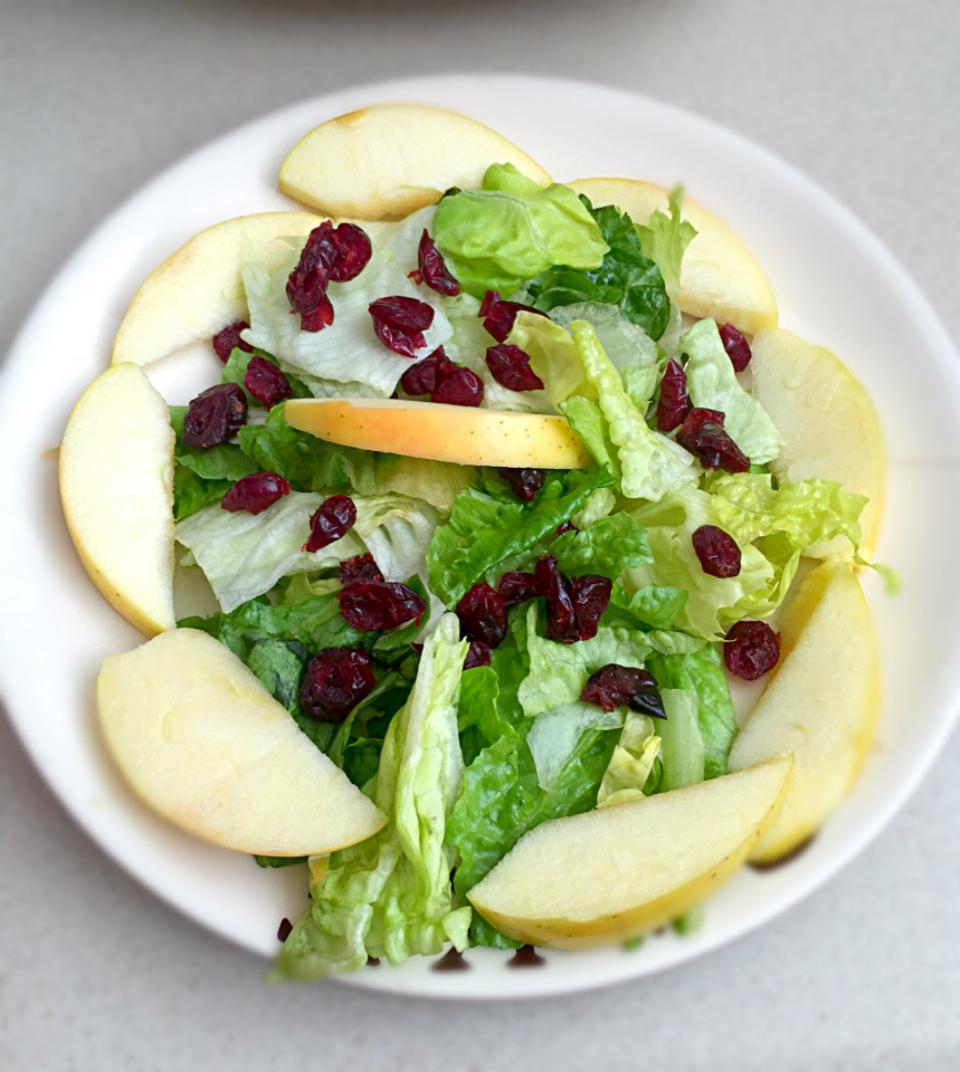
[(331, 253), (432, 268), (673, 404), (702, 434), (331, 521), (751, 649), (226, 340), (483, 615), (255, 493), (215, 415), (265, 382), (524, 483), (372, 606), (615, 686), (574, 605), (498, 315), (438, 377), (334, 682)]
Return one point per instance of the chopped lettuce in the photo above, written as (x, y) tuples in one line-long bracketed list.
[(650, 464), (632, 762), (652, 606), (347, 353), (627, 278), (390, 895), (609, 546), (554, 736), (512, 229), (436, 483), (552, 356), (244, 555), (308, 463), (486, 530), (664, 239), (700, 674), (712, 384), (682, 748)]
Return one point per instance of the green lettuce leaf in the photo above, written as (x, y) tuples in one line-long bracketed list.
[(609, 546), (664, 239), (650, 464), (436, 483), (701, 675), (627, 278), (629, 771), (651, 607), (485, 530), (554, 736), (511, 230), (587, 420), (712, 384), (682, 749), (391, 895), (244, 555), (308, 463), (191, 493)]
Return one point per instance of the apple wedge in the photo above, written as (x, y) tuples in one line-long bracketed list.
[(389, 160), (827, 422), (719, 277), (820, 704), (442, 432), (197, 290), (116, 487), (613, 873), (203, 743)]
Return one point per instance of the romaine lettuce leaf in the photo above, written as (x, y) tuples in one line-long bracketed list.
[(664, 239), (632, 762), (609, 546), (712, 384), (650, 464), (486, 530), (308, 463), (511, 230), (554, 736), (682, 749), (391, 895), (244, 555)]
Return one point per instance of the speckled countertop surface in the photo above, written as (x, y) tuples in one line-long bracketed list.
[(97, 97)]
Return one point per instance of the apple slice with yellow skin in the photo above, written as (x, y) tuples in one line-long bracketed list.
[(204, 744), (827, 422), (719, 277), (613, 873), (820, 704), (116, 487), (461, 434), (391, 159), (197, 290)]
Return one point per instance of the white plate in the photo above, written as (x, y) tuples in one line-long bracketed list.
[(836, 283)]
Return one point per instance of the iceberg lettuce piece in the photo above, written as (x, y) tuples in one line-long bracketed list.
[(554, 736), (712, 384), (391, 895)]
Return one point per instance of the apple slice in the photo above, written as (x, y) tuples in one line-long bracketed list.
[(116, 487), (820, 704), (719, 277), (389, 160), (616, 872), (197, 290), (203, 743), (827, 422), (442, 432)]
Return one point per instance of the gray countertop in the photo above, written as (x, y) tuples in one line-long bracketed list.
[(97, 97)]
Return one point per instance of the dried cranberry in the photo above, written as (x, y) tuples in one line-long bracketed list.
[(346, 251), (400, 323), (615, 686), (478, 654), (422, 378), (517, 587), (307, 283), (359, 568), (266, 382), (717, 550), (702, 434), (499, 316), (458, 387), (561, 612), (284, 930), (319, 318), (483, 615), (215, 415), (673, 404), (591, 597), (371, 606), (737, 347), (225, 341), (254, 493), (433, 269), (751, 649), (524, 483), (331, 521), (334, 682), (510, 366), (567, 526)]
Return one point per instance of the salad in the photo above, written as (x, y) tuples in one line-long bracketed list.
[(497, 505)]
